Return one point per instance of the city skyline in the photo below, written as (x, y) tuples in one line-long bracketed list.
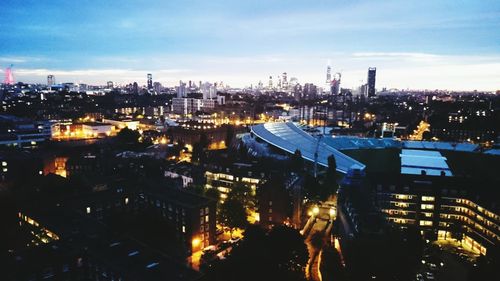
[(94, 42)]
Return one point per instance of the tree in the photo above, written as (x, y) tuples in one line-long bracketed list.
[(198, 152), (128, 137), (289, 251), (229, 135), (331, 265), (312, 187), (279, 254), (212, 193), (204, 142), (427, 135), (233, 215), (456, 231), (317, 240), (296, 161), (199, 148), (242, 193), (330, 185)]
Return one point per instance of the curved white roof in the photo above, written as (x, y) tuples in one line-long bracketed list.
[(288, 137)]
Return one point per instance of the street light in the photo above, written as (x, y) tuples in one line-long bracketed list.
[(196, 242), (316, 210), (333, 212)]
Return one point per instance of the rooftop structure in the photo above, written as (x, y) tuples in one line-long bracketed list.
[(289, 137), (416, 162), (440, 145)]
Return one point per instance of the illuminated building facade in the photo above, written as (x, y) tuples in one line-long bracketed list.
[(223, 179), (441, 207), (82, 130)]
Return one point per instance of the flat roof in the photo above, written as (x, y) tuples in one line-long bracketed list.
[(414, 161)]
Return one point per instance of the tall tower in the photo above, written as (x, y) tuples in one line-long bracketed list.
[(284, 82), (181, 91), (150, 81), (372, 71), (270, 82), (51, 80), (9, 77), (328, 73), (335, 84)]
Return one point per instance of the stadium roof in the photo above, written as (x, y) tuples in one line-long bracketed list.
[(413, 162), (288, 137)]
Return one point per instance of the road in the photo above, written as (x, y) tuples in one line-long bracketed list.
[(322, 223)]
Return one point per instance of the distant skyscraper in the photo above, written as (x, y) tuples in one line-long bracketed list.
[(51, 80), (208, 90), (9, 77), (270, 82), (328, 74), (150, 81), (335, 84), (135, 88), (181, 91), (110, 85), (284, 82), (157, 87), (309, 91), (372, 71)]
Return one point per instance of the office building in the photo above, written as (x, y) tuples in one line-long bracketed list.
[(181, 90), (150, 81), (224, 178), (372, 71), (51, 80)]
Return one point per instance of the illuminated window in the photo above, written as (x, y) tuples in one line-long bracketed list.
[(206, 218), (183, 229), (4, 164), (126, 200), (427, 198), (427, 207), (428, 215), (88, 210), (426, 223)]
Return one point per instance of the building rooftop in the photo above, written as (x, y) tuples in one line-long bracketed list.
[(415, 162), (289, 137)]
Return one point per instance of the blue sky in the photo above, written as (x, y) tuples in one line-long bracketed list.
[(414, 44)]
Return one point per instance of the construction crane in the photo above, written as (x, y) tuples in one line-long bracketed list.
[(316, 156)]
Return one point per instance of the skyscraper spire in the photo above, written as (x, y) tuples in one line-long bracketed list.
[(328, 73)]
